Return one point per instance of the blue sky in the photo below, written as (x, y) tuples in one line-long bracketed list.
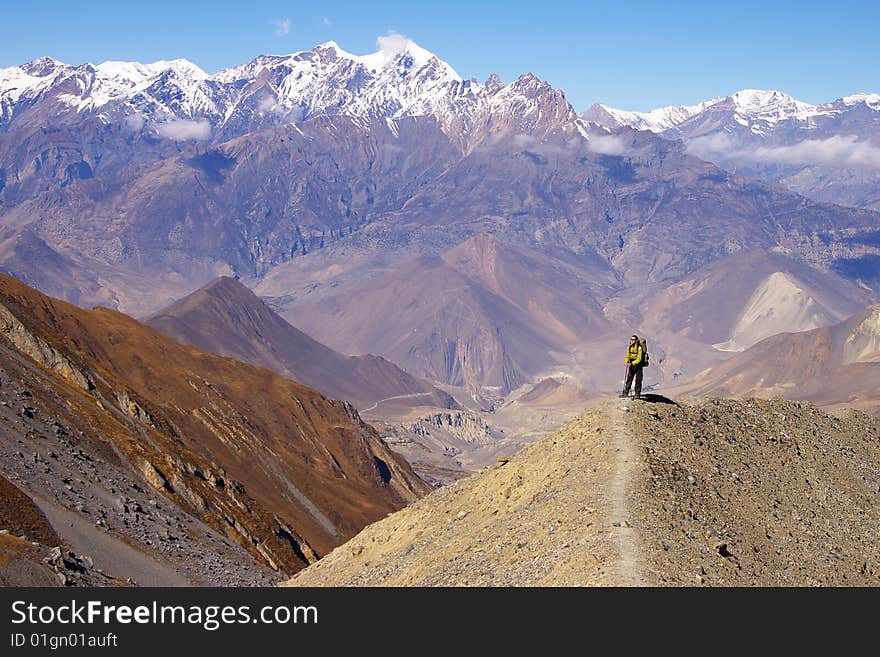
[(638, 55)]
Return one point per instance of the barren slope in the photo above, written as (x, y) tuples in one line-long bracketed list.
[(268, 462), (484, 314), (226, 318), (714, 493), (833, 365)]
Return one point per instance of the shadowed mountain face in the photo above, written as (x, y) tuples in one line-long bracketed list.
[(225, 317), (833, 365), (279, 469)]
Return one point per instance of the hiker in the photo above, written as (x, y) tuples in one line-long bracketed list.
[(635, 363)]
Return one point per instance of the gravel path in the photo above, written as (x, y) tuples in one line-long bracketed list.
[(626, 463), (109, 553), (632, 493)]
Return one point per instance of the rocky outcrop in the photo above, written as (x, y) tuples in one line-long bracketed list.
[(463, 425), (38, 349)]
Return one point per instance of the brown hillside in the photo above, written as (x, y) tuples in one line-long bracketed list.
[(20, 516), (225, 317), (630, 493), (280, 469)]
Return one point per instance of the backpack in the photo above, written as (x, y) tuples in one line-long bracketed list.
[(645, 359)]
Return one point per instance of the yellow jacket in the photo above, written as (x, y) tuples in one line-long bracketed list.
[(635, 355)]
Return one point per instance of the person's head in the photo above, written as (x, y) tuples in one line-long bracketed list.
[(633, 339)]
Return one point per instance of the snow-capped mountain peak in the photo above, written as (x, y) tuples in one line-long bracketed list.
[(135, 73), (401, 79), (656, 120), (871, 100), (758, 110), (42, 67), (769, 106)]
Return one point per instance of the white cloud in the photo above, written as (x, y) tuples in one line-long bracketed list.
[(134, 122), (181, 130), (840, 150), (711, 147), (837, 151), (282, 26), (610, 145), (328, 21), (269, 104), (392, 44)]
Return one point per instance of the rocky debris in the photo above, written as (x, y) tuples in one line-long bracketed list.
[(24, 562), (760, 492), (445, 445), (44, 453), (295, 459), (716, 493), (72, 569)]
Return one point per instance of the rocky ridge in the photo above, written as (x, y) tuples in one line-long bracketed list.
[(713, 493)]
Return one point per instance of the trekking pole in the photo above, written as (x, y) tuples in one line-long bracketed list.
[(625, 377)]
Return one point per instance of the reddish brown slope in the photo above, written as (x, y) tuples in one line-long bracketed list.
[(226, 318), (279, 468), (20, 516)]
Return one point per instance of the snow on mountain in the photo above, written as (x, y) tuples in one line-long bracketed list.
[(400, 80), (829, 151), (871, 100), (134, 74), (90, 88), (756, 109), (656, 120), (391, 83)]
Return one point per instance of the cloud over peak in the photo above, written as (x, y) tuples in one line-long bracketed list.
[(282, 26), (182, 130), (838, 151)]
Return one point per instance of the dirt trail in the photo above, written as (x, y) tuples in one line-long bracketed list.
[(557, 514), (711, 493), (625, 465)]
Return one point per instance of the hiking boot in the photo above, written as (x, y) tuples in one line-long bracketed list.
[(623, 395)]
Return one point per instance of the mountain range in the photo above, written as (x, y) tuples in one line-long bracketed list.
[(358, 276), (829, 152), (455, 239), (836, 365)]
